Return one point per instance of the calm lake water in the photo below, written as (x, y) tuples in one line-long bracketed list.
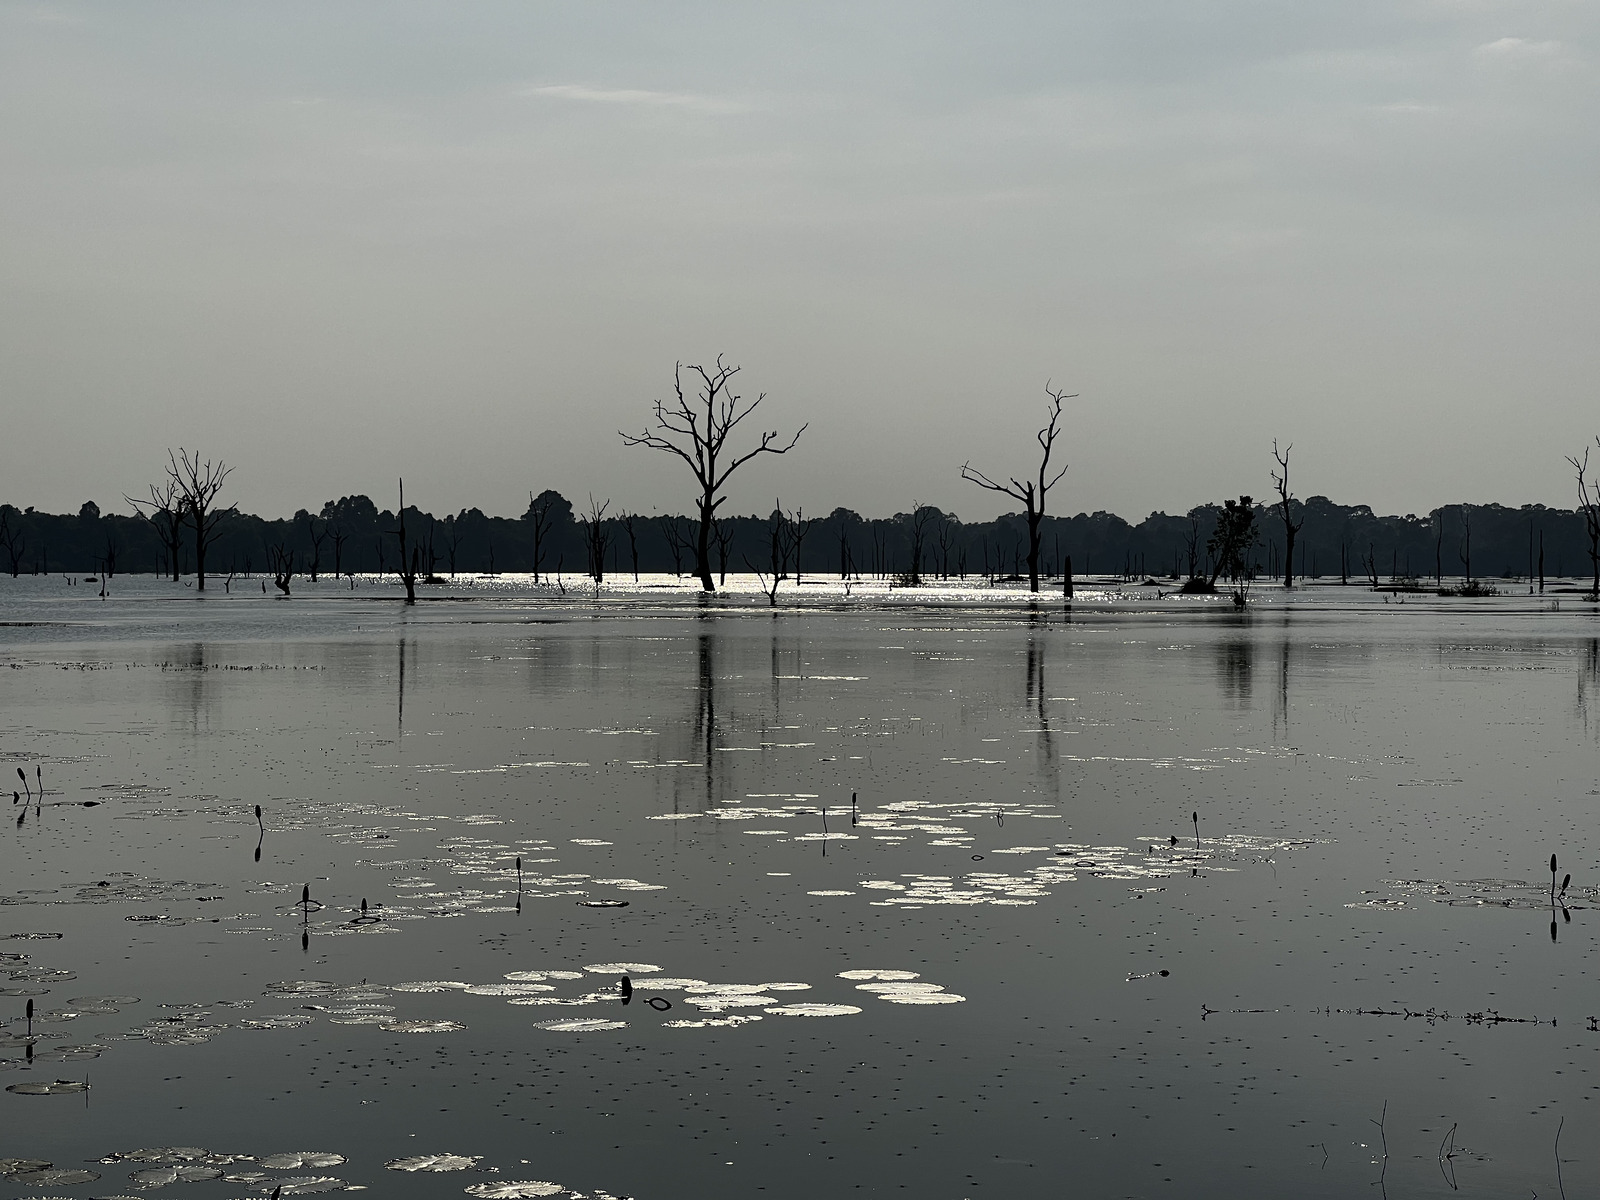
[(907, 886)]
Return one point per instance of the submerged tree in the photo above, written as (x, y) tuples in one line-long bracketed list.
[(1231, 544), (596, 537), (1285, 512), (696, 430), (1031, 492), (198, 485), (12, 540), (1589, 507), (410, 565)]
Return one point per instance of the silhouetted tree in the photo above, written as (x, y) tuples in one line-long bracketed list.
[(166, 518), (917, 523), (697, 431), (12, 540), (281, 559), (541, 516), (673, 535), (198, 485), (316, 534), (452, 543), (628, 522), (596, 537), (1233, 540), (1290, 525), (410, 554), (1589, 509), (1031, 493)]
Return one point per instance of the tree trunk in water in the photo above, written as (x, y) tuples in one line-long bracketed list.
[(1288, 555), (1033, 550), (702, 550)]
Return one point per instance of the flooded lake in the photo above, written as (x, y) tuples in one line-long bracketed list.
[(933, 893)]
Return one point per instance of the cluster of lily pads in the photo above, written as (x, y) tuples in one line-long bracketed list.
[(272, 1174)]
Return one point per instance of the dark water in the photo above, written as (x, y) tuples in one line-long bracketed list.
[(1379, 789)]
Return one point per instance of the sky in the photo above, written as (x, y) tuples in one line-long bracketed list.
[(335, 244)]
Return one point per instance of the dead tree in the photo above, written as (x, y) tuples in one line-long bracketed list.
[(596, 537), (780, 551), (452, 543), (539, 517), (12, 540), (672, 534), (340, 536), (723, 535), (166, 518), (316, 533), (410, 554), (697, 430), (629, 521), (1465, 550), (1589, 506), (282, 561), (198, 485), (1030, 492), (799, 527), (922, 515), (1290, 525)]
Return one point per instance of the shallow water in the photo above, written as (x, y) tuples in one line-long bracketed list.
[(1379, 789)]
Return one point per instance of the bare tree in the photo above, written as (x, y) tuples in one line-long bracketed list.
[(799, 527), (781, 547), (696, 430), (1031, 492), (540, 516), (1589, 506), (12, 540), (282, 560), (166, 517), (1290, 525), (340, 536), (452, 543), (410, 554), (922, 515), (596, 537), (724, 539), (198, 485), (317, 533), (672, 533), (629, 522)]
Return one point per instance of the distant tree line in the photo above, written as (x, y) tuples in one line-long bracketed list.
[(353, 535)]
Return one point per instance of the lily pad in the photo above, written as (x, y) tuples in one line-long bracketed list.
[(435, 1162), (15, 1166), (301, 1185), (56, 1177), (422, 1026), (812, 1010), (300, 1160), (580, 1025), (154, 1177), (514, 1191), (57, 1087)]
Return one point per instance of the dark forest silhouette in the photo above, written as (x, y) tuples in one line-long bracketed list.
[(1333, 542)]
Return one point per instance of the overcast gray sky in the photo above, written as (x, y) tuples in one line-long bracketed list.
[(334, 243)]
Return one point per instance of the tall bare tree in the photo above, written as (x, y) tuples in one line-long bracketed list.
[(166, 517), (1031, 492), (12, 540), (1589, 506), (596, 537), (198, 484), (1285, 512), (696, 430), (410, 565)]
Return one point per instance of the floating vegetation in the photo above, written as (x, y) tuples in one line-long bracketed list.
[(300, 1185), (154, 1177), (437, 985), (302, 1160), (580, 1025), (1478, 893), (435, 1162), (886, 975), (621, 968), (15, 1166), (812, 1010), (514, 1191), (602, 904), (57, 1087), (422, 1026), (48, 1176)]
